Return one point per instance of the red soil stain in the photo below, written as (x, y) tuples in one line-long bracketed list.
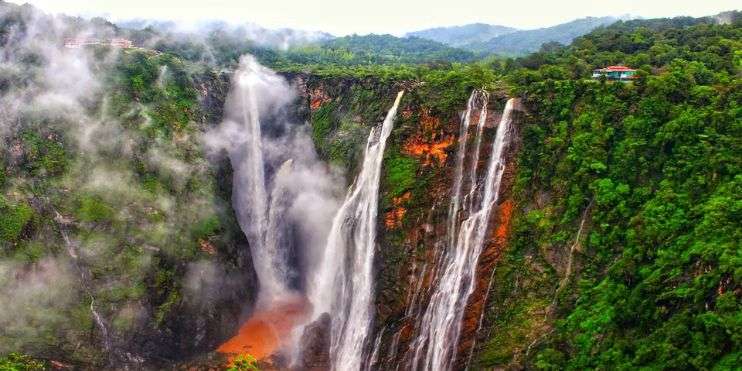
[(267, 330), (393, 218), (506, 212), (317, 98), (429, 143), (428, 150)]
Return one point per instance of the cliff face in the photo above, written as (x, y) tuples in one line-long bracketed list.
[(416, 185), (544, 240), (495, 246), (128, 252), (407, 283), (199, 288), (614, 242), (229, 295)]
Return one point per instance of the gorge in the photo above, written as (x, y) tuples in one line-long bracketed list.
[(195, 201), (340, 282)]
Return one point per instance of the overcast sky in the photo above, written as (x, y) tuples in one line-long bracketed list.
[(341, 17)]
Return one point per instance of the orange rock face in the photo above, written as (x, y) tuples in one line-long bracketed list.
[(317, 98), (429, 143), (393, 218), (505, 215), (428, 150), (207, 247), (267, 330)]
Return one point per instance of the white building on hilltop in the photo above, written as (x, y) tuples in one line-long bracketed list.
[(79, 42)]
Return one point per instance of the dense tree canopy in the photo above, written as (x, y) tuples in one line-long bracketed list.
[(656, 165)]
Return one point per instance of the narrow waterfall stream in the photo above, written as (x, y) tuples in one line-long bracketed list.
[(344, 286), (84, 272), (440, 325)]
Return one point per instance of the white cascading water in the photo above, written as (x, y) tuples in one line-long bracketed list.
[(249, 195), (283, 194), (73, 252), (344, 284), (440, 325)]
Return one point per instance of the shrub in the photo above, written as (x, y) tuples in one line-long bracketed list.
[(94, 209), (400, 173), (20, 362), (244, 362), (13, 218)]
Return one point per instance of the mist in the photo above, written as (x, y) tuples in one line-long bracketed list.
[(106, 199), (284, 195)]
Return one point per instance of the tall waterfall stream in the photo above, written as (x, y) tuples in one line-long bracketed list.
[(440, 324), (345, 283)]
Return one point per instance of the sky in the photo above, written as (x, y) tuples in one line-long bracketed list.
[(342, 17)]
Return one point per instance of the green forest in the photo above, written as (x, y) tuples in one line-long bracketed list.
[(655, 167)]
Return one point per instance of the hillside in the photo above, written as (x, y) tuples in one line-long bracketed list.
[(626, 191), (527, 41), (459, 36), (387, 48), (111, 217)]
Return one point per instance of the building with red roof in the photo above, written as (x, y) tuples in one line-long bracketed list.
[(621, 73)]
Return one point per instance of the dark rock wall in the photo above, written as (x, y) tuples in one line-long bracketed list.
[(202, 323)]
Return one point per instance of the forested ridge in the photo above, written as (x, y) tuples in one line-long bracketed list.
[(640, 184)]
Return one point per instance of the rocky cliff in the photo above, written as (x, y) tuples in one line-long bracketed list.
[(418, 176), (124, 248)]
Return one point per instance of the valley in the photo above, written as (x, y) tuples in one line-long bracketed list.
[(200, 200)]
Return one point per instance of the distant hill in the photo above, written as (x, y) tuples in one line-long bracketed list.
[(388, 48), (524, 42), (463, 35), (622, 37)]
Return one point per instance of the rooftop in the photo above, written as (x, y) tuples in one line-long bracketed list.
[(616, 68)]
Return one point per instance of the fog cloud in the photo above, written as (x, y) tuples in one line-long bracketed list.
[(284, 195)]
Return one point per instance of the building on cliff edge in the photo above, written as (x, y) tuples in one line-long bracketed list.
[(620, 73), (79, 42)]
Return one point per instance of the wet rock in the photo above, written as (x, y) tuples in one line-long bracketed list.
[(315, 352)]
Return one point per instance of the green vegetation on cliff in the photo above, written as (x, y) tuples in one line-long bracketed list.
[(13, 219), (20, 362), (107, 201), (654, 169)]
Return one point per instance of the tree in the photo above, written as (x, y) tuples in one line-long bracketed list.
[(244, 362)]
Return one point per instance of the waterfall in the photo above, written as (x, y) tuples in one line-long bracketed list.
[(344, 286), (250, 196), (440, 325), (283, 194), (85, 280)]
